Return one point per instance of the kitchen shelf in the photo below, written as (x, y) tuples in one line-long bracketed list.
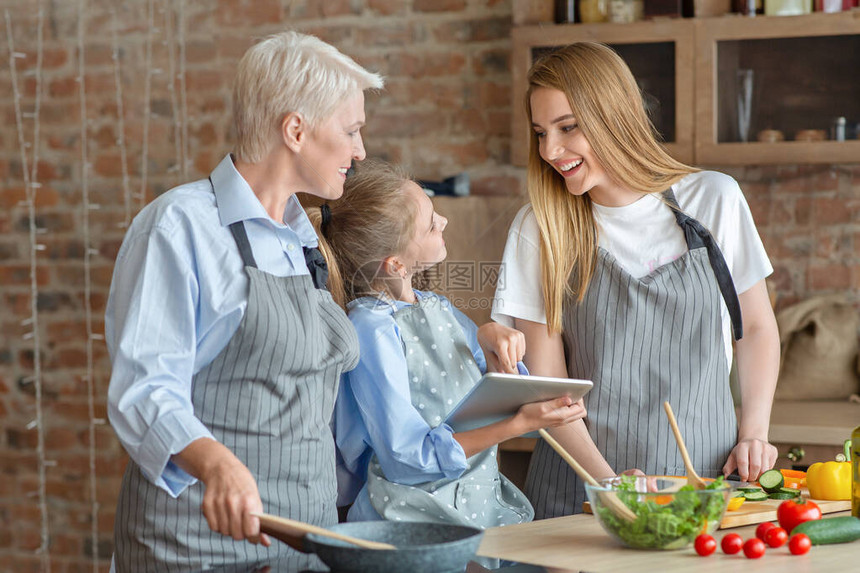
[(804, 76), (804, 71)]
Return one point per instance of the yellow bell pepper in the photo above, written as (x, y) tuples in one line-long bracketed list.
[(735, 503), (830, 480)]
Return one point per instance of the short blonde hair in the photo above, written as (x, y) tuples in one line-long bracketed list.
[(290, 72)]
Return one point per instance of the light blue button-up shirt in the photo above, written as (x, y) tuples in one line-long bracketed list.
[(178, 294), (374, 411)]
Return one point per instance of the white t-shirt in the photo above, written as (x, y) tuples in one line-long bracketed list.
[(641, 236)]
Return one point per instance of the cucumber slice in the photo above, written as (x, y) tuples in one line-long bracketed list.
[(780, 495), (750, 489), (771, 481), (789, 490), (755, 495)]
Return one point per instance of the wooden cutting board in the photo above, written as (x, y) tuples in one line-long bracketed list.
[(752, 512)]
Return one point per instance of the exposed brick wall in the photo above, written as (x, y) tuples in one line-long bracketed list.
[(446, 109), (809, 219)]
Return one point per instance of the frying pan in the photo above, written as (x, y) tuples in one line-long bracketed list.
[(424, 547)]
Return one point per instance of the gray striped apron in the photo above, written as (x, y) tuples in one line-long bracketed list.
[(644, 341), (268, 397), (441, 371)]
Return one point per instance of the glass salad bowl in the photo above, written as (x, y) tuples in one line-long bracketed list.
[(665, 513)]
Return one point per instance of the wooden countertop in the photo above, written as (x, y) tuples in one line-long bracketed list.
[(577, 543)]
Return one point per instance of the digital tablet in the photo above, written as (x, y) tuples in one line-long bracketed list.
[(498, 396)]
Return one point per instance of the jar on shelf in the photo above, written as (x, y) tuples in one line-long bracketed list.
[(626, 11), (592, 11), (787, 7)]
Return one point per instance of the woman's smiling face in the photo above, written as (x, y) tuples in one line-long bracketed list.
[(332, 146), (563, 145)]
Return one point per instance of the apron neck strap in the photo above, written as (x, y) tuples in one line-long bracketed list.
[(697, 236)]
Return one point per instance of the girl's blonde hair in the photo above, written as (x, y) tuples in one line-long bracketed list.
[(607, 105), (373, 220), (290, 72)]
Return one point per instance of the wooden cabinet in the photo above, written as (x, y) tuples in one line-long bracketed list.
[(805, 72), (802, 71)]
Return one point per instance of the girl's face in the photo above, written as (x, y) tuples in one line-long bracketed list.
[(427, 247), (332, 146), (563, 145)]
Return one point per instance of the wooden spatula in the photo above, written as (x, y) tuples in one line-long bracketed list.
[(272, 525), (610, 499), (693, 478)]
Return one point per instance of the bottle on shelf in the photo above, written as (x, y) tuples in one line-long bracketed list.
[(855, 472), (565, 11), (626, 11), (748, 7)]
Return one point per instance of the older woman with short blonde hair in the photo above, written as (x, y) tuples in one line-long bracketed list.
[(226, 346)]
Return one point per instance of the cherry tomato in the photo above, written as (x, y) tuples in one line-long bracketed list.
[(799, 544), (705, 545), (763, 528), (790, 513), (732, 543), (776, 537), (754, 548)]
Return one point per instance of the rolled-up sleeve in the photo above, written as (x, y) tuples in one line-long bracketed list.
[(150, 331), (378, 395)]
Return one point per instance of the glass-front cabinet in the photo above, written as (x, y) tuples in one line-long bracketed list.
[(778, 89), (728, 90)]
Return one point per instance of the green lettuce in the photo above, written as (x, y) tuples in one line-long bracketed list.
[(667, 526)]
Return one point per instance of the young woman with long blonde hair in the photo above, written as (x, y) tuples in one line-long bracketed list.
[(633, 270)]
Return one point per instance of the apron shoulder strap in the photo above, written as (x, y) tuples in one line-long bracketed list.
[(698, 236), (241, 237)]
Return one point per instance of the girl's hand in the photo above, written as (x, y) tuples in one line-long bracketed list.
[(503, 347), (549, 414)]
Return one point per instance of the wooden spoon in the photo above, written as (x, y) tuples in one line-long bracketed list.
[(272, 525), (610, 499), (693, 478)]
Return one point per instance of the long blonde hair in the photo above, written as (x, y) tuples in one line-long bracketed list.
[(607, 104), (374, 219)]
